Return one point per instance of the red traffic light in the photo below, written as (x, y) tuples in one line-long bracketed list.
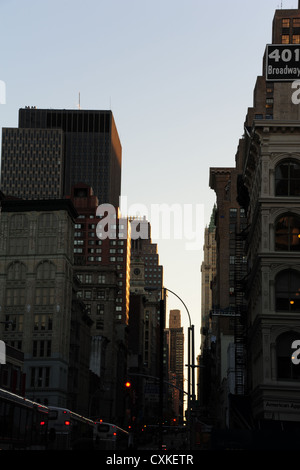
[(127, 384)]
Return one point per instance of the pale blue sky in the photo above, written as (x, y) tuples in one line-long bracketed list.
[(178, 76)]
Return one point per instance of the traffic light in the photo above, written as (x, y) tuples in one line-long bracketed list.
[(128, 384)]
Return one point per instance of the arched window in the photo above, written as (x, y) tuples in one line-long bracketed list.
[(286, 370), (19, 222), (287, 178), (287, 233), (287, 291), (46, 270), (16, 272), (16, 284)]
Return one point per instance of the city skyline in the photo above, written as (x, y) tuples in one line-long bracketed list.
[(168, 94)]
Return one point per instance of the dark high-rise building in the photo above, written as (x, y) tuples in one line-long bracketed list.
[(176, 354), (52, 150)]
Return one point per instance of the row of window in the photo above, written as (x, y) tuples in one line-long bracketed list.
[(290, 36), (90, 278), (287, 22), (295, 39), (287, 291)]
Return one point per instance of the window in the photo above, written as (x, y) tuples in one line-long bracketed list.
[(100, 309), (287, 178), (16, 272), (42, 322), (101, 278), (286, 370), (15, 297), (39, 377), (285, 22), (88, 309), (41, 348), (287, 233), (46, 271), (296, 22), (296, 38), (285, 39), (44, 295), (287, 291)]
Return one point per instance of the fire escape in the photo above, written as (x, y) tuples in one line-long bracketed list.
[(240, 314)]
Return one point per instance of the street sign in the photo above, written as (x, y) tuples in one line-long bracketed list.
[(282, 62), (151, 392)]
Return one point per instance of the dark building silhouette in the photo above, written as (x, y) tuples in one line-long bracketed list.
[(52, 150), (176, 355)]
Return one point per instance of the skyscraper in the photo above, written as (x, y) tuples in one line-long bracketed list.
[(176, 355), (52, 150)]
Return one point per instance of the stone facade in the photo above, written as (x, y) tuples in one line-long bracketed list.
[(37, 296)]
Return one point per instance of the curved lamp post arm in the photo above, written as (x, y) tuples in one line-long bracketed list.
[(165, 288)]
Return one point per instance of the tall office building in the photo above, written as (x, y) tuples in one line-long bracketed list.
[(102, 267), (94, 254), (144, 252), (208, 272), (144, 335), (176, 358), (52, 150), (229, 221)]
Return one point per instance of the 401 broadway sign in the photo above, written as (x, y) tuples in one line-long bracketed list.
[(282, 62)]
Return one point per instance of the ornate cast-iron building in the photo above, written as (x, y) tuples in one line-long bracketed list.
[(260, 391)]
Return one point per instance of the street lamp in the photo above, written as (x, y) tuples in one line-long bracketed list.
[(191, 348)]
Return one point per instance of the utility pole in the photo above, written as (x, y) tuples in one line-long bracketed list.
[(161, 360)]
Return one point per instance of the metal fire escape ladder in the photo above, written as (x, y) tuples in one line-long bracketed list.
[(239, 325)]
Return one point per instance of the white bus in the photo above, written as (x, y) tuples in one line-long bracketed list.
[(68, 430), (108, 436)]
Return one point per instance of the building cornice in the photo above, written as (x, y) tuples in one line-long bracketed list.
[(40, 205)]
